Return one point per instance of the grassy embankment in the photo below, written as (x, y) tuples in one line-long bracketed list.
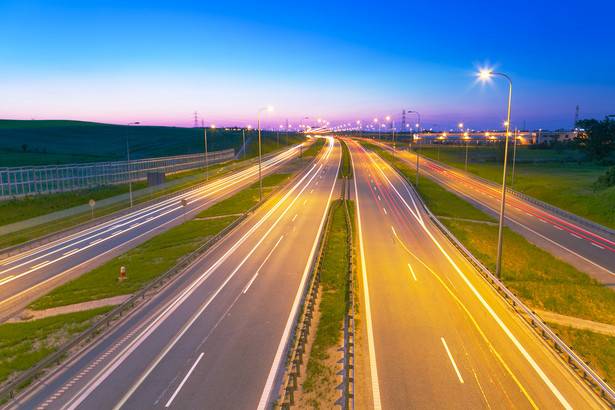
[(81, 137), (555, 178), (539, 279), (319, 388), (23, 344), (156, 255)]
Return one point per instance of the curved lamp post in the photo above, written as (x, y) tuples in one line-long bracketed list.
[(260, 179), (418, 153), (498, 266)]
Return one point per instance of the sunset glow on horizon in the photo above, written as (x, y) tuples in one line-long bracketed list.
[(159, 62)]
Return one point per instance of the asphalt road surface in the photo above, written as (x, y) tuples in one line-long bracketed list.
[(587, 249), (436, 334), (215, 337), (31, 274)]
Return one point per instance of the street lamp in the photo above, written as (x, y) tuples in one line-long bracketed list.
[(498, 266), (260, 178), (206, 162), (418, 154), (129, 165)]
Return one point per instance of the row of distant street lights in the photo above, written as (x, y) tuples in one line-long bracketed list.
[(323, 123)]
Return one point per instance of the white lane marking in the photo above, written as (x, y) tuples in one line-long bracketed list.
[(543, 221), (184, 381), (557, 227), (368, 310), (294, 217), (71, 252), (261, 266), (450, 356), (385, 211), (163, 208), (262, 404), (311, 191), (499, 321), (97, 241), (250, 283), (39, 265), (304, 202), (411, 270), (168, 310), (597, 246), (380, 199), (6, 279), (576, 236)]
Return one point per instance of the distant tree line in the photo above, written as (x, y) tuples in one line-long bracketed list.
[(595, 138)]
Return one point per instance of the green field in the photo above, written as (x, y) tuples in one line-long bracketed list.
[(24, 143), (22, 345), (555, 178)]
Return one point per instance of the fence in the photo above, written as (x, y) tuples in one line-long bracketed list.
[(34, 180)]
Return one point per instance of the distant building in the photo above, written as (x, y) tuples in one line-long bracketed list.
[(551, 136)]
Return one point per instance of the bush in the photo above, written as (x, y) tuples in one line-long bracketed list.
[(607, 179)]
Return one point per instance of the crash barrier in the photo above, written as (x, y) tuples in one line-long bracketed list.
[(587, 373), (11, 386), (36, 180), (16, 249)]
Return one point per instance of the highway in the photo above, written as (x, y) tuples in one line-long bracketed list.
[(435, 334), (31, 274), (588, 250), (215, 336)]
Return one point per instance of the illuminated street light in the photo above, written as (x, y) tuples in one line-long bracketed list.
[(418, 154), (260, 178), (498, 266), (129, 165)]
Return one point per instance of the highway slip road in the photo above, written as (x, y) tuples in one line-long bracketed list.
[(585, 248), (436, 335), (29, 275), (215, 337)]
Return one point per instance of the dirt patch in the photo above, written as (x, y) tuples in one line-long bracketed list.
[(28, 314)]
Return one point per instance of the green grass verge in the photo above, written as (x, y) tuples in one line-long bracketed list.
[(596, 349), (24, 344), (315, 148), (440, 201), (346, 168), (142, 263), (157, 255), (320, 376), (560, 182), (541, 280)]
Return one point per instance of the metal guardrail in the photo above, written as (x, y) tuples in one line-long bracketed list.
[(36, 180), (588, 374), (11, 386), (544, 205), (6, 252), (349, 329)]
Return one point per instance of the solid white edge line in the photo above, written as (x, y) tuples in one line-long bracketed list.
[(450, 356), (184, 381), (262, 404), (368, 309)]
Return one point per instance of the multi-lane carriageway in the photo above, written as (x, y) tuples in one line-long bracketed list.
[(585, 248), (31, 274), (436, 334), (215, 336)]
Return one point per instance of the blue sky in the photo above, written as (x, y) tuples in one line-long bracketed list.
[(158, 61)]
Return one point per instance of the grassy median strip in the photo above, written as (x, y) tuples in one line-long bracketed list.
[(315, 148), (155, 256), (558, 179), (319, 388), (538, 278), (24, 344), (346, 168)]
